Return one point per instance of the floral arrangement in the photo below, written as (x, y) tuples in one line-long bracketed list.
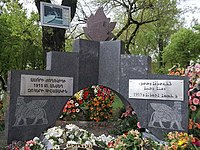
[(176, 70), (181, 140), (34, 144), (193, 72), (94, 102), (133, 140), (68, 137)]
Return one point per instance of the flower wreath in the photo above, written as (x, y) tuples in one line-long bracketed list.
[(94, 102)]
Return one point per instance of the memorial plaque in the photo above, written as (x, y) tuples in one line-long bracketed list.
[(55, 15), (34, 85), (156, 89)]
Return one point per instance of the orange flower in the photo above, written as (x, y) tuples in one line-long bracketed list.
[(174, 147), (98, 109), (197, 125), (177, 73), (64, 110), (69, 106), (190, 124), (103, 105)]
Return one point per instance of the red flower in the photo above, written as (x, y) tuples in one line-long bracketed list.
[(80, 102), (195, 101), (111, 144), (193, 108), (99, 94), (190, 101), (138, 125), (198, 94), (85, 95), (27, 148), (196, 142)]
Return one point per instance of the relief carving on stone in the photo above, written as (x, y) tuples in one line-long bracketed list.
[(31, 113), (164, 114)]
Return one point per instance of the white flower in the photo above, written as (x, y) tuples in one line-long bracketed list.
[(72, 101), (47, 136), (56, 147), (71, 142), (60, 140), (71, 136), (71, 127), (54, 132), (105, 139), (76, 104), (51, 141), (95, 91), (57, 133), (85, 136), (88, 142), (77, 110), (36, 139)]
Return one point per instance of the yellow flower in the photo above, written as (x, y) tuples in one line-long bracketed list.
[(78, 95), (182, 141)]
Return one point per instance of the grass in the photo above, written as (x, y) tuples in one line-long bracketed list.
[(118, 107)]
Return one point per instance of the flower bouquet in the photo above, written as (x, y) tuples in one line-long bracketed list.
[(72, 137), (176, 70), (94, 103), (181, 140), (193, 72), (132, 140), (34, 144)]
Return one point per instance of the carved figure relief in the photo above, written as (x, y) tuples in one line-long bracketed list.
[(30, 113), (171, 116)]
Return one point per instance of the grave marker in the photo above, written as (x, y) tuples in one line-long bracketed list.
[(94, 63)]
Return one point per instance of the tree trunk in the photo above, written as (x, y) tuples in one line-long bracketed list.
[(160, 50), (53, 39)]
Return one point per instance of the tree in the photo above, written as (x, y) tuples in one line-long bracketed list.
[(184, 46), (20, 40), (135, 14), (53, 39)]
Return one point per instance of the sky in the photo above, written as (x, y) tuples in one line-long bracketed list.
[(184, 4), (190, 15)]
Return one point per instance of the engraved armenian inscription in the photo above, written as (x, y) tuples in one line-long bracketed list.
[(156, 89), (30, 113), (35, 85), (163, 113)]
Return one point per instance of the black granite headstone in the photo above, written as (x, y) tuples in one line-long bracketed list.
[(93, 63), (36, 101)]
